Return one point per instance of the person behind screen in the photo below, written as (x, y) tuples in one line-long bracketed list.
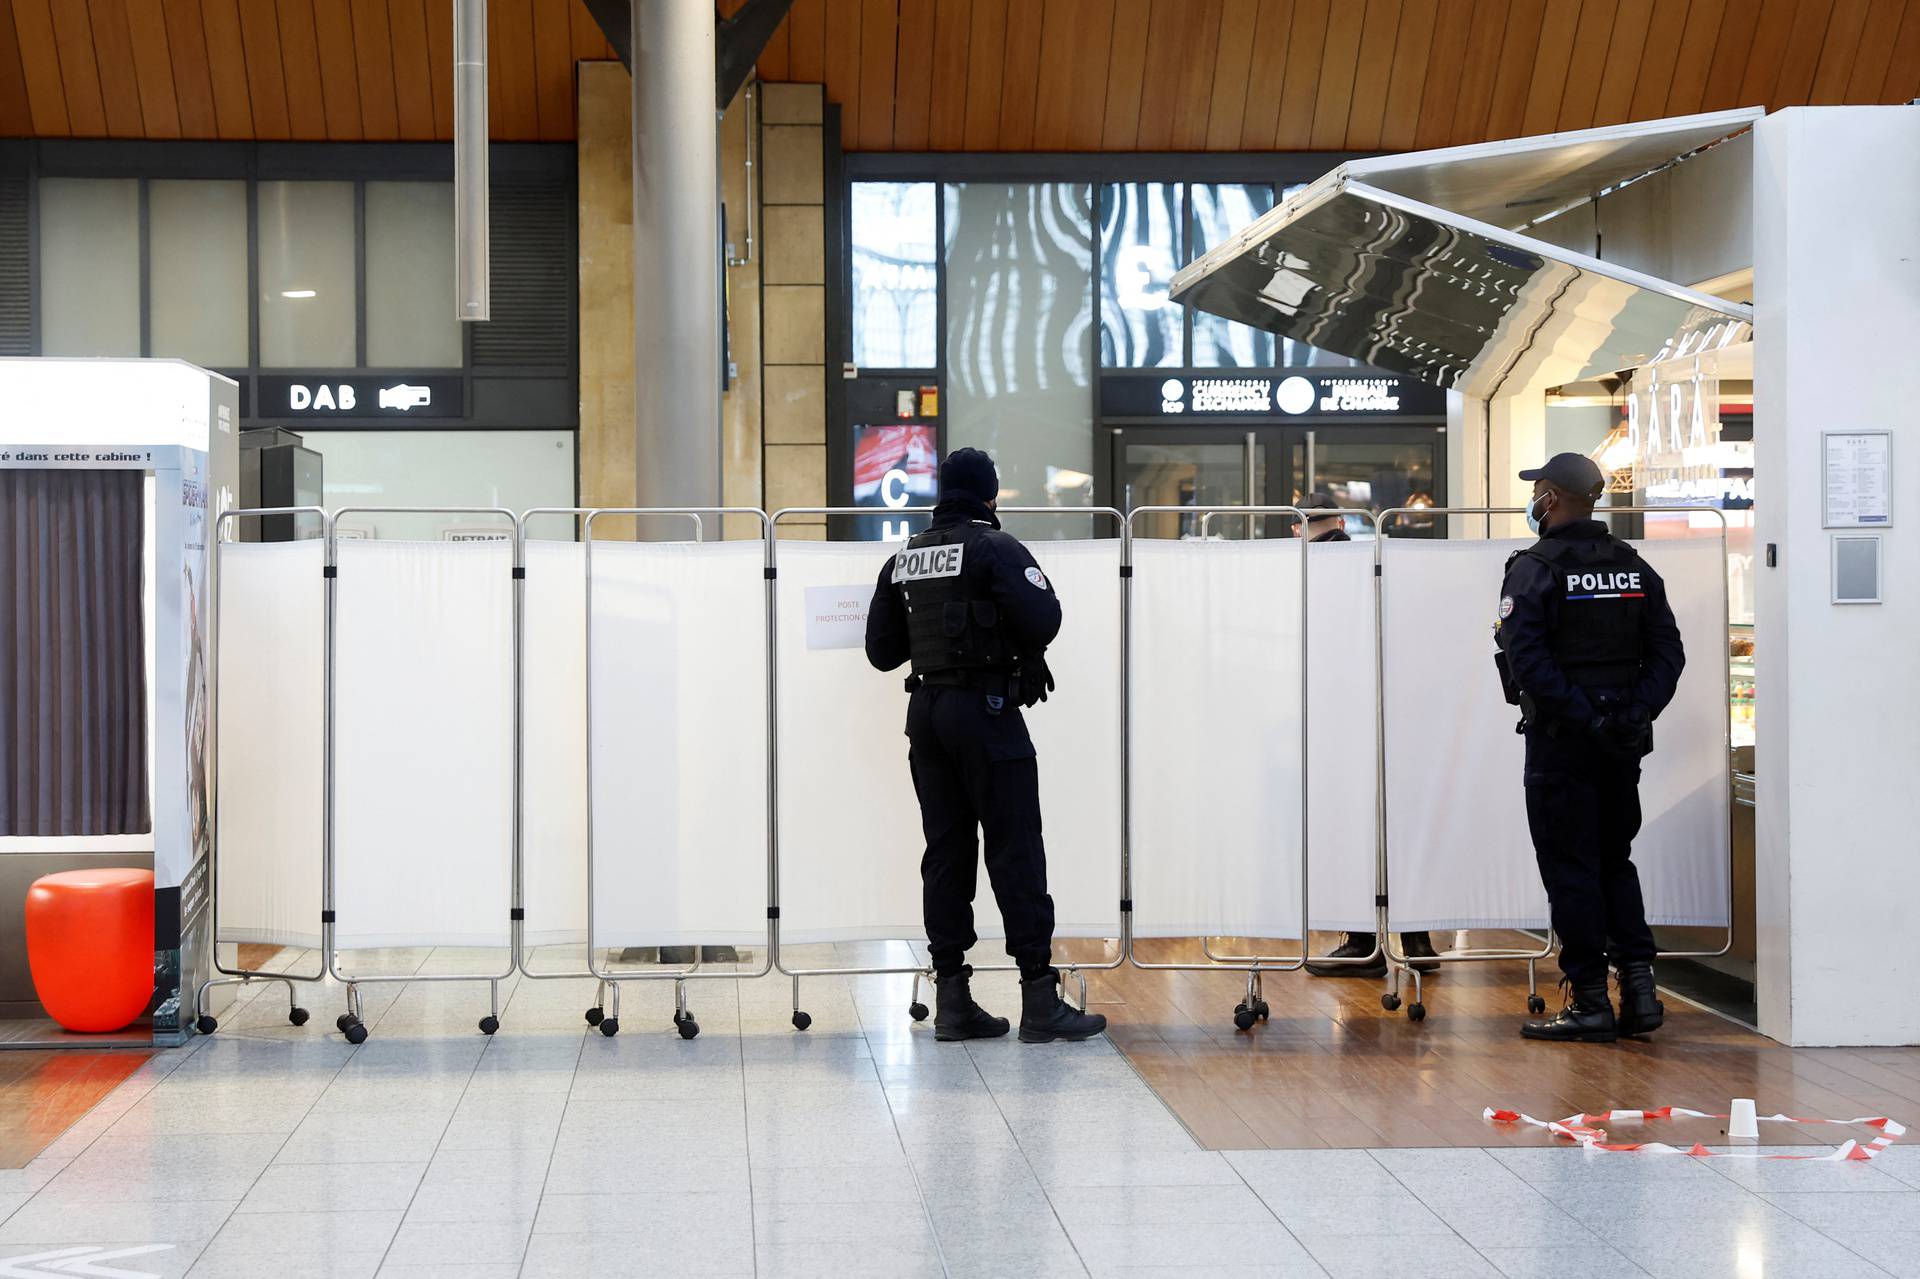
[(1354, 947), (1589, 651), (967, 604)]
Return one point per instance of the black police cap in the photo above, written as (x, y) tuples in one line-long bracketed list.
[(969, 471), (1574, 473), (1319, 502)]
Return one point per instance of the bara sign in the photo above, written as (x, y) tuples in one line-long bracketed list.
[(319, 397)]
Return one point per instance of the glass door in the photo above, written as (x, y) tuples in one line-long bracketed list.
[(1364, 468), (1154, 467)]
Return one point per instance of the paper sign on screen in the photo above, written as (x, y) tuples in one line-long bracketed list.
[(837, 616)]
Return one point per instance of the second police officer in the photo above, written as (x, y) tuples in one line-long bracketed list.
[(1589, 651), (969, 607)]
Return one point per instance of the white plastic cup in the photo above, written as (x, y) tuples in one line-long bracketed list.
[(1743, 1124)]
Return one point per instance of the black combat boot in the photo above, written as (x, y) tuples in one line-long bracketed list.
[(1419, 946), (1045, 1017), (1641, 1011), (1352, 946), (956, 1016), (1587, 1018)]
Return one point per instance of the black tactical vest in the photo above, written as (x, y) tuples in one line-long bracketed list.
[(1597, 640), (952, 624)]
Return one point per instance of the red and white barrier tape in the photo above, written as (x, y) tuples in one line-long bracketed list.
[(1586, 1130)]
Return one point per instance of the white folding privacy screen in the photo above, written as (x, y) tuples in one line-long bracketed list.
[(423, 758)]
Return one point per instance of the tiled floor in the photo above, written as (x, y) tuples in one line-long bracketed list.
[(859, 1148)]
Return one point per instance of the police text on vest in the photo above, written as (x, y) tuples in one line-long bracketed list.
[(1616, 585), (919, 564)]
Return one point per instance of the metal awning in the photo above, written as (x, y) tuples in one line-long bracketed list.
[(1368, 263)]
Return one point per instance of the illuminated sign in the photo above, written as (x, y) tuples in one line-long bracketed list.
[(1292, 395), (316, 398)]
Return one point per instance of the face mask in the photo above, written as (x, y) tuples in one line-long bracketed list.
[(1535, 513)]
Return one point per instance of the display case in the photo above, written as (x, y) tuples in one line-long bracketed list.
[(1740, 695)]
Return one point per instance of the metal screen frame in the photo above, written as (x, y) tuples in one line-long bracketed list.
[(924, 972), (596, 1012), (204, 1020), (350, 1021), (683, 1018), (1397, 962), (1253, 1006)]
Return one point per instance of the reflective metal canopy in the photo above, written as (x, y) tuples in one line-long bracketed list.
[(1417, 289), (1522, 180)]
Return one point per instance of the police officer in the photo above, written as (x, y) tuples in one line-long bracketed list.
[(972, 610), (1589, 651), (1354, 946)]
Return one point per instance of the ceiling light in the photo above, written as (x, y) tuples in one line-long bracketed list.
[(297, 293)]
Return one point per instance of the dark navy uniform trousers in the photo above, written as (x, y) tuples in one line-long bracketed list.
[(974, 768), (1583, 810)]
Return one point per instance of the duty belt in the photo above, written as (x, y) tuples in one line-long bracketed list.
[(991, 678)]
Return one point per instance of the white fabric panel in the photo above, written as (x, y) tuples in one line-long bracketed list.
[(270, 704), (423, 723), (555, 814), (1458, 845), (679, 729), (1216, 737), (850, 833)]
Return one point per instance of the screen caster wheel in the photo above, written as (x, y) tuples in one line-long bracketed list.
[(207, 1025), (1416, 1012), (1536, 1005), (801, 1020), (687, 1026), (1260, 1007), (917, 1011), (297, 1016), (595, 1016), (1244, 1017), (355, 1030), (489, 1024), (610, 1027), (1390, 1002)]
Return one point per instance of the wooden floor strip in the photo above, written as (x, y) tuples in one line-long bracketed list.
[(1332, 1068)]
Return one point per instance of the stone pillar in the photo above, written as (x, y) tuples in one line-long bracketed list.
[(607, 346), (794, 322), (606, 446)]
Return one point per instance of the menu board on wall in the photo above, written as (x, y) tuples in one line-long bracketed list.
[(1857, 479)]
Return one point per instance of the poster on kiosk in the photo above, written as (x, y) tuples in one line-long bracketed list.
[(177, 425)]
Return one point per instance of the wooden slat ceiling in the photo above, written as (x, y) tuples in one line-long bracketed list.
[(279, 70), (1325, 75), (975, 75)]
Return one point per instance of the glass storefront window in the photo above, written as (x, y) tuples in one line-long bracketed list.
[(90, 266), (410, 305), (1140, 327), (517, 470), (895, 278), (1219, 211), (307, 297), (1020, 340), (197, 272)]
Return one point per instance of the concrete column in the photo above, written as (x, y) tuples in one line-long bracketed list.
[(1837, 302), (676, 256)]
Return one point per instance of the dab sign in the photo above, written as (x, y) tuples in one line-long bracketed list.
[(318, 398)]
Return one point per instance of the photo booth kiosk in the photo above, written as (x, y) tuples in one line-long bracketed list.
[(107, 712)]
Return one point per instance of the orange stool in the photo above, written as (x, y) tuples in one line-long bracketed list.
[(90, 945)]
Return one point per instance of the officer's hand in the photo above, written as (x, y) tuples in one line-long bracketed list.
[(1036, 681)]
